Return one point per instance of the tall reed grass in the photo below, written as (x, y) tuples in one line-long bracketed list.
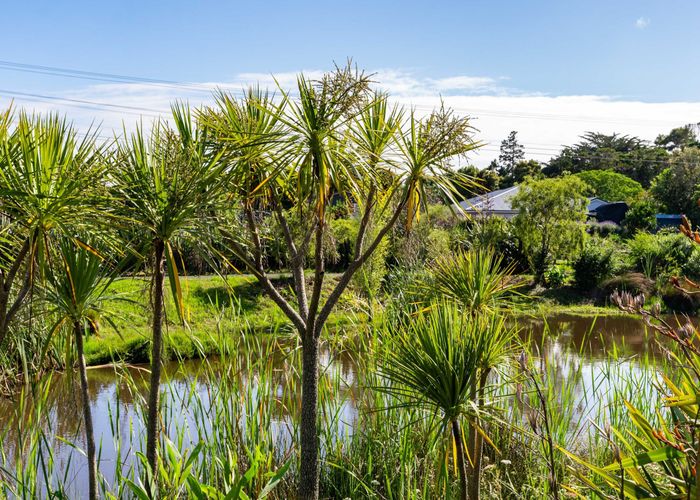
[(231, 425)]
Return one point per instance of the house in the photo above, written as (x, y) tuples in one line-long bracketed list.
[(668, 220), (495, 203), (499, 203)]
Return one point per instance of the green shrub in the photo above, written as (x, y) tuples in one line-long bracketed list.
[(496, 233), (657, 254), (691, 267), (555, 276), (594, 264), (641, 216)]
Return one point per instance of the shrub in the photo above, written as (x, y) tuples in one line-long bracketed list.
[(634, 283), (656, 254), (641, 216), (478, 279), (496, 233), (680, 301), (691, 267), (603, 228), (594, 264), (555, 276)]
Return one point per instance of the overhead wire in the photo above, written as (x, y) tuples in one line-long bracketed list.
[(542, 149)]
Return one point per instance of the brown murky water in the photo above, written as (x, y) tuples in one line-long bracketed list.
[(570, 343)]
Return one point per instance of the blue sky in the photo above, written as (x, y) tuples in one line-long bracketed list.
[(643, 52)]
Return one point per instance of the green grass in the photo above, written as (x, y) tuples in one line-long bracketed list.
[(217, 311)]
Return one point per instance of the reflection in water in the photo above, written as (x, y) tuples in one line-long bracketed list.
[(577, 350)]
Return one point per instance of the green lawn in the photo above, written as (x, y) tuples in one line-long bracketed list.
[(219, 311), (216, 310)]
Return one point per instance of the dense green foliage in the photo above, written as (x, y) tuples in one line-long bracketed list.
[(551, 213), (339, 209), (611, 186), (623, 154), (594, 264), (676, 188)]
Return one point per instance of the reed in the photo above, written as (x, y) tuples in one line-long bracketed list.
[(231, 424)]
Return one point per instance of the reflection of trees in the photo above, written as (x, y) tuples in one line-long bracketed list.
[(252, 397), (590, 336)]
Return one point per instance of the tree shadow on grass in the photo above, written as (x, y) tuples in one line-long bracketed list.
[(566, 296)]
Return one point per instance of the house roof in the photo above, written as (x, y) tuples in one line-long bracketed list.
[(499, 201), (594, 203), (495, 201)]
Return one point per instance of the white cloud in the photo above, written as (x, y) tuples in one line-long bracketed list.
[(544, 123), (464, 83), (642, 22)]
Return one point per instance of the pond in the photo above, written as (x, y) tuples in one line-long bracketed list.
[(583, 346)]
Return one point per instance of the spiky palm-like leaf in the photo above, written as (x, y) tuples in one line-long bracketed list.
[(427, 148), (170, 184), (51, 185), (438, 361), (437, 354), (478, 279)]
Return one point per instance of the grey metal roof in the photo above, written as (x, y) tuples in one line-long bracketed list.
[(499, 201), (594, 203), (495, 201)]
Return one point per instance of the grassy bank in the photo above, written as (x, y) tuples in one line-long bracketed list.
[(217, 311), (220, 309)]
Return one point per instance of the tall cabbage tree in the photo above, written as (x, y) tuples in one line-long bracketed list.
[(169, 184), (51, 185), (334, 140)]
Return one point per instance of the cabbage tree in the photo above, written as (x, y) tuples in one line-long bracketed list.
[(333, 139), (50, 186), (168, 183)]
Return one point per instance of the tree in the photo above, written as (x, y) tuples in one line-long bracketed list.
[(641, 215), (168, 183), (522, 170), (680, 138), (626, 155), (76, 291), (551, 215), (481, 283), (335, 140), (676, 187), (611, 186), (49, 186), (484, 181), (511, 153)]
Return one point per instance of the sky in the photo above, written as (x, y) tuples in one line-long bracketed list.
[(550, 70)]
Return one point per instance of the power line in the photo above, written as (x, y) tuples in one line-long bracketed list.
[(81, 102), (476, 112), (102, 77), (117, 78)]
